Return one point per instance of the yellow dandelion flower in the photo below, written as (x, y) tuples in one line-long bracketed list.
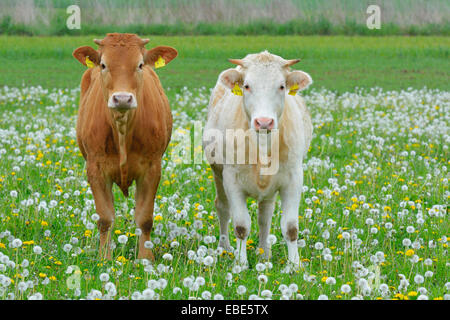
[(121, 259), (412, 293)]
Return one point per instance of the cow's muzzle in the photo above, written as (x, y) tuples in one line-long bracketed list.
[(264, 124), (122, 101)]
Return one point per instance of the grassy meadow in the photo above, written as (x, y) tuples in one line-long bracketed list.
[(339, 63), (373, 218)]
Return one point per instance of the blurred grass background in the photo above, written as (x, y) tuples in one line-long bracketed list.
[(330, 36), (340, 63), (226, 17)]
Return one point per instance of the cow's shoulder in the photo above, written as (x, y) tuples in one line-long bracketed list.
[(152, 85), (295, 128)]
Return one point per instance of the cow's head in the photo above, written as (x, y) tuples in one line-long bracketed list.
[(264, 80), (121, 59)]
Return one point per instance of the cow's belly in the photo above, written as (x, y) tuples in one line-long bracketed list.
[(257, 186), (136, 166)]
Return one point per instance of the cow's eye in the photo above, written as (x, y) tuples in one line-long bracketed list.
[(246, 87), (282, 87), (141, 65), (103, 66)]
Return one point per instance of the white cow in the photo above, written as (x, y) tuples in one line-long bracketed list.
[(257, 100)]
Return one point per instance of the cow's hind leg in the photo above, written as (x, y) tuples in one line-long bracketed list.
[(146, 188), (222, 207), (101, 187)]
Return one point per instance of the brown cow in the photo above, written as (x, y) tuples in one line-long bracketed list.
[(124, 126)]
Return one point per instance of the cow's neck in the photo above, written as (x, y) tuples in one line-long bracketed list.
[(122, 122), (268, 154)]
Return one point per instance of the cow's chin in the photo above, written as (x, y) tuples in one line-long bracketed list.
[(263, 131), (122, 110)]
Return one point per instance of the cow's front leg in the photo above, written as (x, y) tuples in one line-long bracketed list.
[(290, 195), (265, 212), (101, 187), (222, 207), (146, 187), (239, 213)]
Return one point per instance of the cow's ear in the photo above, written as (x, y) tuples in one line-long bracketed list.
[(164, 52), (298, 80), (230, 77), (82, 52)]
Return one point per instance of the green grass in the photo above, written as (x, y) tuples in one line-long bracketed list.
[(357, 169), (388, 149), (338, 63)]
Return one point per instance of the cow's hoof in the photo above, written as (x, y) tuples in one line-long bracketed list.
[(146, 254), (264, 253), (243, 263), (292, 267), (105, 254), (225, 244)]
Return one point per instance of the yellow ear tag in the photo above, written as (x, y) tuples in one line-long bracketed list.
[(293, 89), (237, 90), (160, 62), (89, 63)]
